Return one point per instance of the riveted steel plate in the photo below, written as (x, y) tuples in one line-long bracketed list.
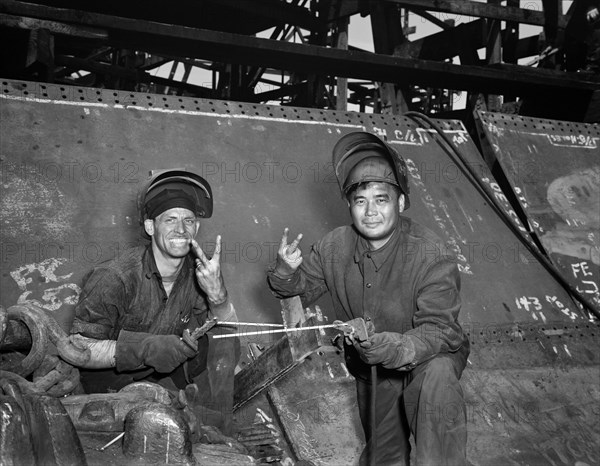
[(554, 170), (72, 160)]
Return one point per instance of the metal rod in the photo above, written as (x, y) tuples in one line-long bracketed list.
[(280, 330), (248, 324), (112, 441)]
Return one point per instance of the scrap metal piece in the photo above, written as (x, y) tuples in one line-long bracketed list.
[(15, 437), (157, 434), (106, 412)]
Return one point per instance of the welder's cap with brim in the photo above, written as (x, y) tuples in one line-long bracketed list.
[(168, 189), (362, 157)]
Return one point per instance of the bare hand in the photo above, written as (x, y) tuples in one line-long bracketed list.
[(289, 256), (208, 273)]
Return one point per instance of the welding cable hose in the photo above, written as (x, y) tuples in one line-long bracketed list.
[(454, 153), (43, 329), (39, 341)]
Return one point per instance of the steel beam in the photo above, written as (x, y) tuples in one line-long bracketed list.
[(163, 39), (478, 9)]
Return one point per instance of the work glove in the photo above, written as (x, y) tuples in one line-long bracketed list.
[(391, 350), (136, 350)]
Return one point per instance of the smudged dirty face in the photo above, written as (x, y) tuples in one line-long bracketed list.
[(172, 232)]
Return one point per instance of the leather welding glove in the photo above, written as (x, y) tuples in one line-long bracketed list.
[(389, 349), (136, 350)]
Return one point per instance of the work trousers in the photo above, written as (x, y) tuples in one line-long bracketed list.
[(426, 402)]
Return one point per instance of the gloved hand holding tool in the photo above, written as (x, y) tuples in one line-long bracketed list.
[(137, 350), (355, 330), (391, 350)]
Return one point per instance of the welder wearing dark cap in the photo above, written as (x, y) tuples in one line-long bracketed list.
[(134, 310), (394, 273)]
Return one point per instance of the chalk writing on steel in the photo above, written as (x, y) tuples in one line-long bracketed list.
[(452, 239), (499, 195), (305, 442), (529, 303), (419, 136), (553, 300), (101, 105), (580, 271), (52, 298), (571, 140)]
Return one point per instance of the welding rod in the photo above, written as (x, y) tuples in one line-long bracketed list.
[(280, 330), (112, 441), (248, 324)]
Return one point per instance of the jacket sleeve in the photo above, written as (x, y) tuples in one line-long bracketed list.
[(308, 281), (435, 322), (97, 312)]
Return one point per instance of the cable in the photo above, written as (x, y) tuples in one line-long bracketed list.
[(474, 179)]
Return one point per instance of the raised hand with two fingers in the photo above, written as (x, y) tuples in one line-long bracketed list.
[(208, 273), (289, 256)]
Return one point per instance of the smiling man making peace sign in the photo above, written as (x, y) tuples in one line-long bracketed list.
[(133, 310), (395, 274)]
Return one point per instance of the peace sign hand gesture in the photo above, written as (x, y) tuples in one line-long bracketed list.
[(208, 273), (289, 256)]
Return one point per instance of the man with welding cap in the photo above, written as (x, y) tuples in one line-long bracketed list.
[(394, 273), (137, 311)]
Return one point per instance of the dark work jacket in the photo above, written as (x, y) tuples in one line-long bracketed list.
[(410, 286), (127, 293)]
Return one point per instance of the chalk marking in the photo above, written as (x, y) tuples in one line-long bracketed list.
[(182, 112), (466, 216), (47, 269), (168, 445), (428, 200), (329, 370)]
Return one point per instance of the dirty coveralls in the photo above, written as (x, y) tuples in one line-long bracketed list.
[(127, 293), (408, 286)]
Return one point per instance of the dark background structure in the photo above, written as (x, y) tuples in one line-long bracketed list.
[(298, 50)]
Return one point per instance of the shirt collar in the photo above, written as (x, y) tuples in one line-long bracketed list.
[(150, 268), (381, 255), (149, 264)]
